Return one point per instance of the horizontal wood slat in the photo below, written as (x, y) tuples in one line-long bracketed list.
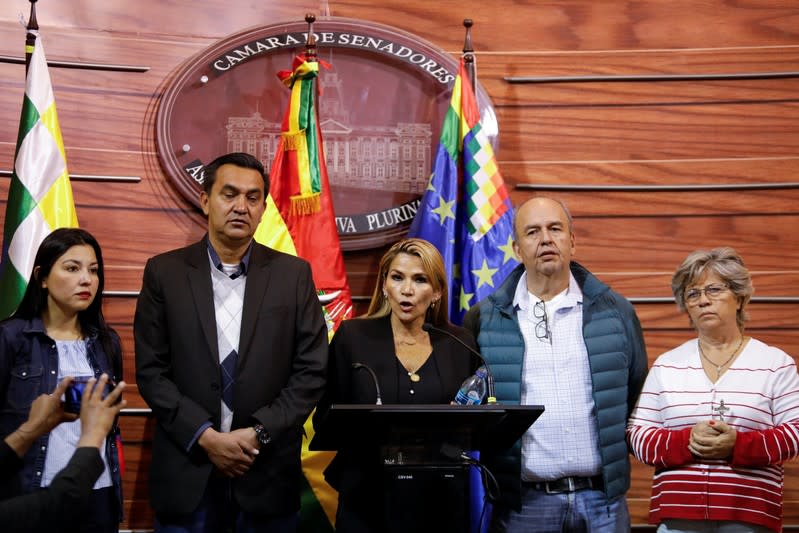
[(709, 171), (675, 132)]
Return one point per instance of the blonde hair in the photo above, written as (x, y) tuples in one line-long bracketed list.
[(433, 266), (727, 265)]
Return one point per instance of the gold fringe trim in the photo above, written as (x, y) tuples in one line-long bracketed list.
[(294, 140), (306, 204)]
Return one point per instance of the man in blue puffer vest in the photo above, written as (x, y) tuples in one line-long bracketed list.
[(556, 336)]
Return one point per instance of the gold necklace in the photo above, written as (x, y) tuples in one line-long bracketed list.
[(409, 341), (413, 374), (722, 365)]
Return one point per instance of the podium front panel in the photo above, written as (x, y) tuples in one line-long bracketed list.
[(492, 427)]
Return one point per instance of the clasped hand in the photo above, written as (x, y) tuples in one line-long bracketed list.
[(231, 453), (713, 439)]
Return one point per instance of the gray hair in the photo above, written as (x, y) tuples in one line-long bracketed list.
[(726, 264), (562, 204)]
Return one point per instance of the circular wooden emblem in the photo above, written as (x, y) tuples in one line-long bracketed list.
[(384, 94)]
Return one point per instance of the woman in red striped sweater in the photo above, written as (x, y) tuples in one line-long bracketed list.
[(719, 414)]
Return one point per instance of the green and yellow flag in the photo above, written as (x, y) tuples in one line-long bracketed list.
[(40, 196)]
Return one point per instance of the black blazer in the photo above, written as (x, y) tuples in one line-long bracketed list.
[(63, 502), (280, 373)]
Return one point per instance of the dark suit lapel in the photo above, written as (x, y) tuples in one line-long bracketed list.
[(254, 295), (199, 274)]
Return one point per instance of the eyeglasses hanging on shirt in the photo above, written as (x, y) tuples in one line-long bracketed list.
[(542, 331)]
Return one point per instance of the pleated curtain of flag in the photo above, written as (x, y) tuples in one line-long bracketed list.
[(40, 195), (299, 219), (465, 211)]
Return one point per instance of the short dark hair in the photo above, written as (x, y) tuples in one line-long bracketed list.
[(239, 159)]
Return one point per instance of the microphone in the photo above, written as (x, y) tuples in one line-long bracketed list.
[(427, 326), (358, 366)]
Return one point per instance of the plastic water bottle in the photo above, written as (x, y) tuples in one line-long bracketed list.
[(473, 389)]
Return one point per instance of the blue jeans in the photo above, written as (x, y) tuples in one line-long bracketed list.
[(218, 512), (582, 511)]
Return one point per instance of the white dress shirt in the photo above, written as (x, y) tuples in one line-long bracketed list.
[(564, 440)]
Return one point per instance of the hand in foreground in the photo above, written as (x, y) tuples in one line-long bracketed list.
[(46, 412), (231, 453), (97, 415), (714, 439)]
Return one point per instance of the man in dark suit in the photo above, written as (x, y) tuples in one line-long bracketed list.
[(231, 355)]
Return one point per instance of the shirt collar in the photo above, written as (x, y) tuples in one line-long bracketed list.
[(244, 265), (523, 299), (36, 326)]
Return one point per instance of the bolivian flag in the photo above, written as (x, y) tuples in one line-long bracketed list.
[(299, 220)]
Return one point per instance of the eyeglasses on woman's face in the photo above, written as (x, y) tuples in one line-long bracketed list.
[(712, 292)]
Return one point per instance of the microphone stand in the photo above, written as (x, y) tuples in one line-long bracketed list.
[(358, 366)]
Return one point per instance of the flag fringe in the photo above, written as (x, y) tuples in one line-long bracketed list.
[(294, 140), (306, 204)]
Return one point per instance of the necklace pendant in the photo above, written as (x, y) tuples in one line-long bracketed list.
[(721, 410), (414, 377)]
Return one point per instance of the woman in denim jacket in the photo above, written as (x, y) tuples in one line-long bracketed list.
[(58, 331)]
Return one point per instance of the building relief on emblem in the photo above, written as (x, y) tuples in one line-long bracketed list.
[(393, 158), (384, 96)]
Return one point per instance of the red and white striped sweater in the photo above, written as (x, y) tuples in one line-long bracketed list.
[(761, 394)]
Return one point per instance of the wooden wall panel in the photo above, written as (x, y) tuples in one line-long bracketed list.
[(674, 132), (641, 172), (553, 135), (658, 284), (627, 98), (540, 61)]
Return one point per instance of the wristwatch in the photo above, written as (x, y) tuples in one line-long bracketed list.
[(262, 435)]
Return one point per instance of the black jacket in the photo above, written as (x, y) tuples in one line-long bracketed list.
[(61, 502), (279, 378)]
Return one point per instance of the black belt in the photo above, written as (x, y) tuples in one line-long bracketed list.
[(566, 484)]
